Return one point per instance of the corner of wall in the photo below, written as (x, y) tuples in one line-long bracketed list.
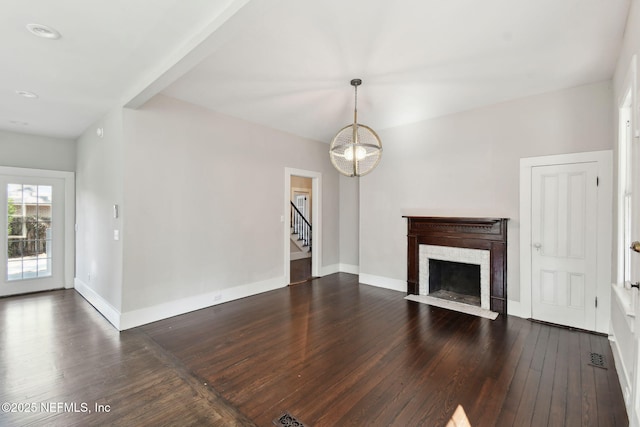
[(99, 186), (107, 310), (384, 282), (134, 318)]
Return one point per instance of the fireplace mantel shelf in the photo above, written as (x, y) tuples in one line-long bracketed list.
[(462, 232)]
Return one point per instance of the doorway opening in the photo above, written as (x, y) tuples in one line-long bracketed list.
[(303, 223)]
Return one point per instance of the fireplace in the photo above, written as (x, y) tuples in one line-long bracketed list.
[(462, 259), (455, 277), (453, 273)]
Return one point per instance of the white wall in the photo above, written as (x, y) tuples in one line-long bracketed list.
[(630, 47), (349, 223), (467, 164), (37, 152), (204, 199), (99, 186)]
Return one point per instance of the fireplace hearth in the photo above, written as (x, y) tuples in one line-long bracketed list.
[(478, 242)]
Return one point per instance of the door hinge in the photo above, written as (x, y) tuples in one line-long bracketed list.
[(596, 302), (597, 181)]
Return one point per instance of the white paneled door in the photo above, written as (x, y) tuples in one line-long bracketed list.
[(32, 234), (564, 238)]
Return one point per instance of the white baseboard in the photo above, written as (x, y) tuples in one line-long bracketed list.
[(98, 302), (348, 268), (384, 282), (339, 268), (623, 375), (142, 316), (329, 269), (514, 308)]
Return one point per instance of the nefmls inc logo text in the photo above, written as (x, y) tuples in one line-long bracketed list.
[(51, 407)]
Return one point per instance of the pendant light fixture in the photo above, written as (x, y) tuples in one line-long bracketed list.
[(356, 149)]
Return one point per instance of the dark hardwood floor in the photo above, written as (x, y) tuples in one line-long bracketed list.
[(300, 271), (330, 352), (59, 359)]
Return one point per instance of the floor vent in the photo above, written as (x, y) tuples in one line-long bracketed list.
[(287, 420), (597, 360)]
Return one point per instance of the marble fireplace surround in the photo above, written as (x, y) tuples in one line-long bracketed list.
[(479, 257), (486, 234)]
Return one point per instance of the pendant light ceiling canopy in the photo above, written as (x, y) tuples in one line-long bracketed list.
[(356, 149)]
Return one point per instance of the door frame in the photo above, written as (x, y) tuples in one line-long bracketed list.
[(316, 228), (604, 160), (68, 271)]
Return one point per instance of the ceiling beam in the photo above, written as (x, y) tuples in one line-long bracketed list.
[(174, 65)]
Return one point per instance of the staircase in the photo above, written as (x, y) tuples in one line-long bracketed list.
[(300, 235)]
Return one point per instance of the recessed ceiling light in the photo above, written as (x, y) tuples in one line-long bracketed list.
[(27, 94), (43, 31)]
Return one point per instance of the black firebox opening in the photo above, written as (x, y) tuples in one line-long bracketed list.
[(457, 277)]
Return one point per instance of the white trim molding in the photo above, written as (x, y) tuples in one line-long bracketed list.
[(142, 316), (316, 230), (514, 309), (131, 319), (384, 282), (338, 268), (107, 310), (349, 268)]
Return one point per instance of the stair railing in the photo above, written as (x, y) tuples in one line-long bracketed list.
[(300, 226)]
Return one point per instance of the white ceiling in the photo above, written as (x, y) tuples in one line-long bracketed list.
[(287, 64)]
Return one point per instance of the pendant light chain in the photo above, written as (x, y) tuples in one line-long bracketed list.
[(355, 106), (354, 137)]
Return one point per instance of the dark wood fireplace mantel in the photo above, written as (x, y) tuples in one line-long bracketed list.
[(473, 233)]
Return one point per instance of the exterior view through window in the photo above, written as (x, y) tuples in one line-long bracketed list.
[(29, 245)]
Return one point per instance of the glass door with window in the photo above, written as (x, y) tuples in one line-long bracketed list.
[(32, 234)]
